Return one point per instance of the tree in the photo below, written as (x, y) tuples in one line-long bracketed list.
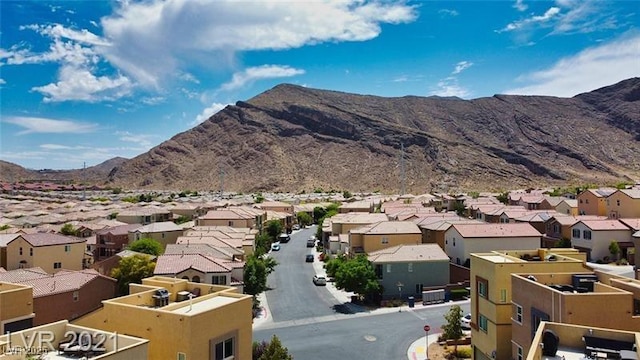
[(182, 219), (263, 243), (346, 194), (563, 243), (333, 265), (452, 329), (147, 246), (614, 249), (259, 198), (357, 275), (68, 229), (132, 269), (318, 213), (503, 198), (274, 228), (256, 270), (4, 227), (272, 350), (304, 219)]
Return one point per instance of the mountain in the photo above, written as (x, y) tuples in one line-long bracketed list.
[(292, 138), (95, 174)]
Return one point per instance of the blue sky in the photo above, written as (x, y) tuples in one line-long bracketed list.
[(85, 81)]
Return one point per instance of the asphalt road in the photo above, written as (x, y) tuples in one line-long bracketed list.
[(292, 294), (312, 324)]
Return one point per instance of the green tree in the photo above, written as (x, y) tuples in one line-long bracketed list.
[(503, 198), (263, 243), (614, 249), (563, 243), (318, 213), (333, 265), (68, 229), (304, 219), (112, 216), (346, 194), (132, 269), (147, 246), (452, 329), (357, 275), (182, 219), (259, 198), (256, 270), (332, 209), (274, 228), (272, 350), (4, 227)]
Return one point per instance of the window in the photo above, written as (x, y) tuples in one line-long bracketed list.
[(76, 296), (410, 267), (224, 350), (518, 352), (30, 251), (454, 241), (618, 202), (196, 279), (556, 228), (385, 240), (219, 280), (20, 251), (575, 233), (182, 356), (482, 323), (67, 248), (230, 223), (518, 316), (586, 234), (586, 201), (580, 201), (388, 268), (57, 265), (503, 295), (163, 235), (483, 287), (379, 271)]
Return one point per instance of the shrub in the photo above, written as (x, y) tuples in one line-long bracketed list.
[(458, 294), (462, 353), (622, 262)]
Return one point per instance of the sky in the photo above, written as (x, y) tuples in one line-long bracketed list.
[(85, 81)]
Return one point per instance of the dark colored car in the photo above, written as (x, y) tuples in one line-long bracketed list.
[(308, 258)]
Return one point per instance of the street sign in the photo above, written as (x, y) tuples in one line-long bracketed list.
[(427, 328)]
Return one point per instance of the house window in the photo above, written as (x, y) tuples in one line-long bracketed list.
[(196, 279), (575, 233), (388, 268), (22, 264), (556, 228), (57, 265), (586, 201), (67, 248), (586, 234), (518, 316), (30, 251), (454, 241), (385, 240), (482, 323), (518, 352), (20, 251), (163, 235), (219, 280), (182, 356), (580, 201), (503, 295), (224, 350), (230, 223), (76, 296), (410, 267), (483, 286), (618, 202)]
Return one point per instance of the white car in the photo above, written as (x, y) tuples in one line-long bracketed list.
[(465, 322), (319, 280), (275, 246)]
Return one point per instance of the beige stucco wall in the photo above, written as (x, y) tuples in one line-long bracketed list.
[(45, 256), (619, 205), (373, 242), (16, 302), (589, 204)]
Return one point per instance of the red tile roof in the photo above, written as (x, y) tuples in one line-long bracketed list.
[(485, 230), (174, 264), (48, 239)]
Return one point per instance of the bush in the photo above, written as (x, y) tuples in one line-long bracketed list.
[(462, 353), (622, 262), (458, 294)]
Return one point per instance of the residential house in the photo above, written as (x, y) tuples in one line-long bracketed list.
[(278, 206), (51, 252), (16, 307), (463, 239), (362, 206), (407, 270), (4, 240), (383, 234), (594, 201), (144, 215), (572, 298), (559, 227), (165, 232), (634, 225), (48, 341), (343, 223), (216, 323), (550, 202), (225, 253), (491, 307), (433, 228), (594, 237), (568, 207), (112, 240), (624, 203), (64, 295), (242, 239), (537, 219), (580, 342), (187, 210), (236, 217), (199, 268), (478, 211), (106, 266), (501, 214)]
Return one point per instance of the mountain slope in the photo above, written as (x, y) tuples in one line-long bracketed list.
[(95, 174), (292, 138)]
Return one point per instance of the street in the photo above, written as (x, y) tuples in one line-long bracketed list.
[(307, 322)]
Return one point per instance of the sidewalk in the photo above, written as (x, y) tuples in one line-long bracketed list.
[(417, 350)]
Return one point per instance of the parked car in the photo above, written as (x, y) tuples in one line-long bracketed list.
[(319, 280), (465, 322), (309, 258), (295, 227), (275, 247), (283, 238), (310, 243)]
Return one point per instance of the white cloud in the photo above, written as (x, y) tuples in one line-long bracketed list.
[(57, 31), (520, 5), (252, 74), (55, 147), (592, 68), (461, 66), (536, 19), (44, 125), (448, 13), (2, 82), (208, 112), (143, 140), (152, 100), (449, 87)]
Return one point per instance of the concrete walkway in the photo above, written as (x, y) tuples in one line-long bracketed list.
[(418, 349)]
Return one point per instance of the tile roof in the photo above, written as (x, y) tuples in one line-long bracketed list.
[(358, 218), (5, 238), (119, 230), (496, 230), (63, 281), (158, 227), (174, 264), (632, 193), (443, 225), (204, 249), (602, 192), (604, 225), (19, 275), (47, 239), (389, 227), (632, 223), (570, 220), (409, 253)]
